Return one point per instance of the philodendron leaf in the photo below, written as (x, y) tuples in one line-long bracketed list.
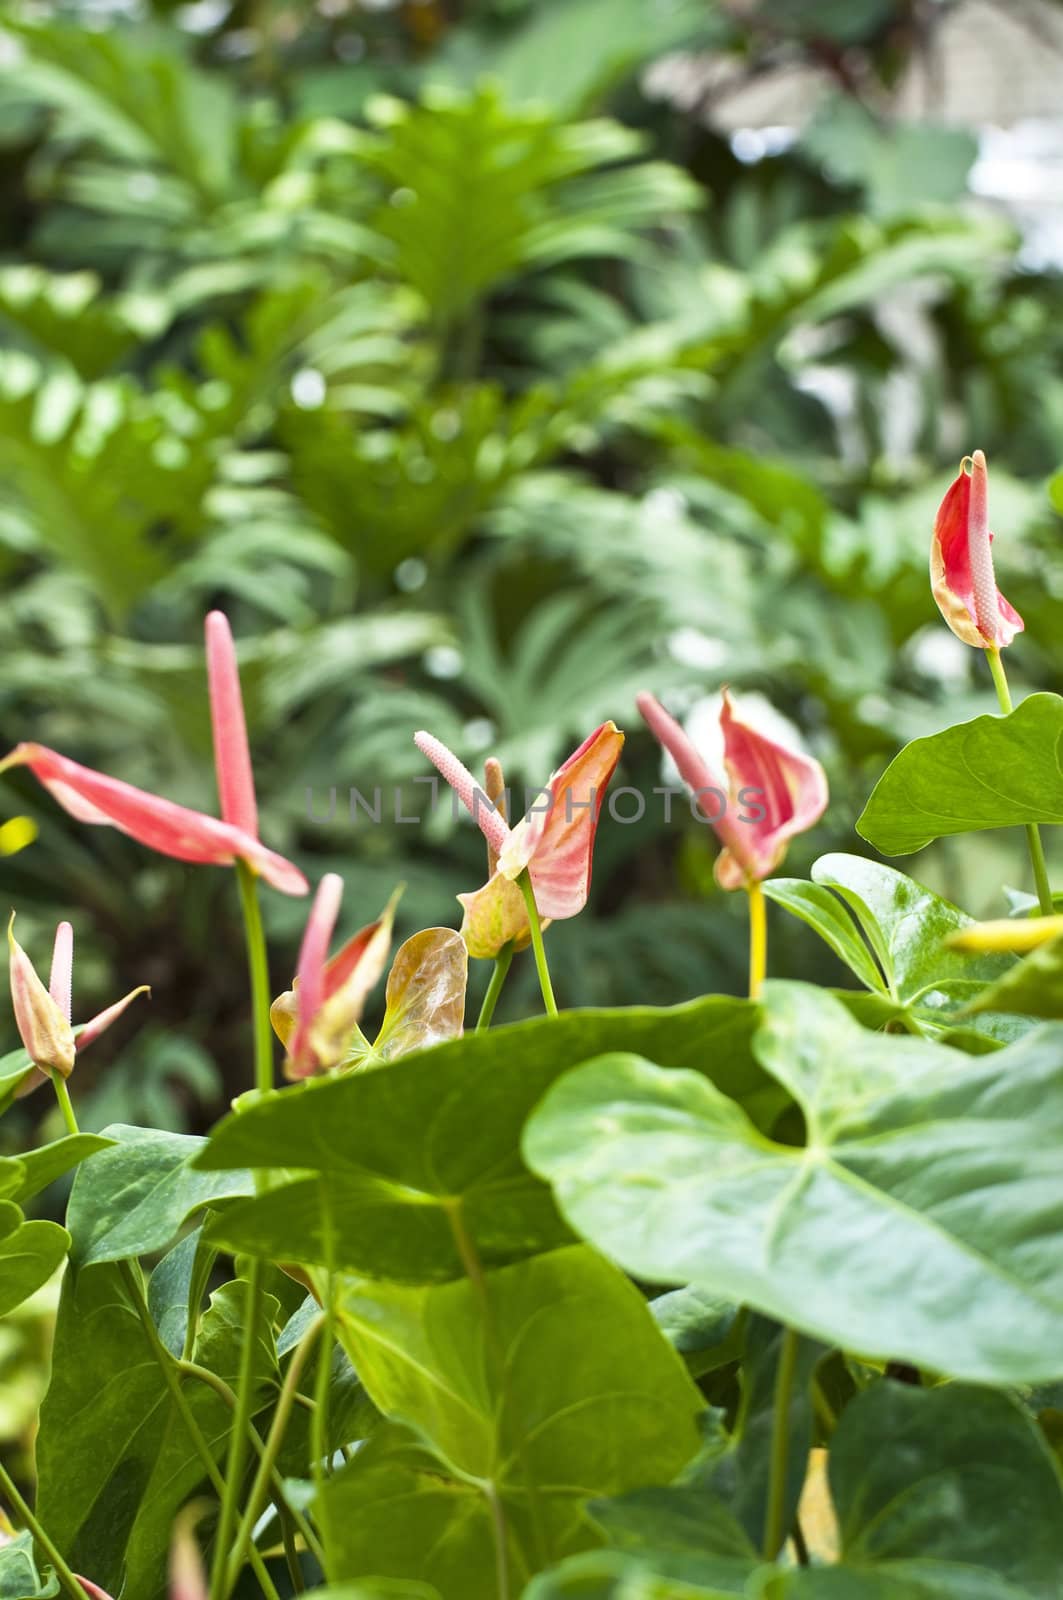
[(994, 772), (1033, 987), (29, 1253), (575, 1393), (400, 1148), (904, 926), (19, 1577), (920, 1220), (135, 1197)]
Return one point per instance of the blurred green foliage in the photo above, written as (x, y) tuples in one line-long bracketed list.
[(481, 388)]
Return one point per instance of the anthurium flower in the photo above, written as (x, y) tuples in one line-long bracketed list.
[(770, 794), (42, 1015), (161, 825), (554, 842), (961, 563), (318, 1017)]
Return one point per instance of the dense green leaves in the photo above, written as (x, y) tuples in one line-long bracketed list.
[(917, 1477), (525, 1392), (115, 1460), (946, 1162), (434, 1141), (994, 772)]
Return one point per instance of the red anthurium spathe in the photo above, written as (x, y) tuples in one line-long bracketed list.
[(42, 1015), (554, 842), (317, 1019), (961, 563), (770, 794), (160, 824)]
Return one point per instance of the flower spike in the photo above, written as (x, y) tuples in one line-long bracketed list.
[(475, 799), (961, 563), (232, 754), (554, 842)]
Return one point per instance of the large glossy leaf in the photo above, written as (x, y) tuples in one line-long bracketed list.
[(994, 772), (896, 943), (402, 1147), (574, 1393), (29, 1254), (135, 1197), (919, 1220), (114, 1460)]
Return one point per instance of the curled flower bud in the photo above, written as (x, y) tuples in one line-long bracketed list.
[(961, 563)]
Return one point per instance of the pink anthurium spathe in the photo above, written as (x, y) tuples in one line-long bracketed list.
[(770, 793), (554, 843), (317, 1019), (42, 1015), (961, 563), (162, 825)]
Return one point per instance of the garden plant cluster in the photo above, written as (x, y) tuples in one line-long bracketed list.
[(753, 1296)]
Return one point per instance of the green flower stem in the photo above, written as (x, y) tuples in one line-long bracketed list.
[(234, 1466), (525, 883), (169, 1369), (274, 1439), (167, 1366), (503, 961), (320, 1453), (68, 1582), (285, 1510), (774, 1522), (258, 967), (758, 939), (62, 1094), (1033, 833)]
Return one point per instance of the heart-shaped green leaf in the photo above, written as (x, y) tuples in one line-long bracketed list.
[(135, 1197), (919, 1221), (401, 1147), (993, 772), (575, 1393)]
